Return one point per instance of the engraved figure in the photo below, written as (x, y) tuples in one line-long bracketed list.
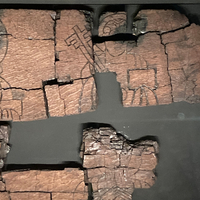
[(142, 80), (112, 23), (7, 110), (81, 39), (138, 80)]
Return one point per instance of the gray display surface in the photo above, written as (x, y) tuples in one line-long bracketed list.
[(56, 140), (96, 2), (176, 127)]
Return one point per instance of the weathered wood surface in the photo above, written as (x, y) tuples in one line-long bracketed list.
[(75, 98), (30, 195), (152, 70), (30, 44), (183, 49), (38, 46), (18, 104), (4, 196), (73, 46), (41, 184), (28, 24), (4, 148), (112, 23), (27, 59), (29, 48), (159, 20), (141, 70), (115, 166)]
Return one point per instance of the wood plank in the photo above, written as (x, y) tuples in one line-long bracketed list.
[(27, 59), (159, 20), (79, 97), (73, 46), (115, 166), (183, 48), (27, 63), (56, 106), (29, 24), (22, 105), (111, 23), (30, 195), (68, 181), (132, 62)]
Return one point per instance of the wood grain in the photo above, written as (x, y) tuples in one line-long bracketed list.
[(27, 59), (30, 195), (141, 70), (46, 185), (183, 49), (4, 196), (158, 20), (29, 24), (38, 46), (152, 71), (73, 46), (79, 97), (46, 181), (28, 63), (114, 166), (56, 106), (18, 104)]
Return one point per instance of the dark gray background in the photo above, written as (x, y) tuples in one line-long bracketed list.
[(98, 1), (176, 127), (56, 142)]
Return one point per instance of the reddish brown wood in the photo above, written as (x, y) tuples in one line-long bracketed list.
[(161, 68), (4, 149), (56, 105), (30, 195), (147, 72), (67, 181), (70, 196), (27, 59), (79, 97), (75, 98), (144, 70), (112, 23), (141, 70), (2, 186), (29, 24), (27, 63), (28, 49), (22, 105), (160, 20), (73, 46), (183, 49), (114, 166), (4, 196)]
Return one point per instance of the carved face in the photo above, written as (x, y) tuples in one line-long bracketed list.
[(111, 24)]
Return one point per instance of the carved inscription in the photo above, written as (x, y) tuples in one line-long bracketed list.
[(75, 63), (143, 68), (161, 67)]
